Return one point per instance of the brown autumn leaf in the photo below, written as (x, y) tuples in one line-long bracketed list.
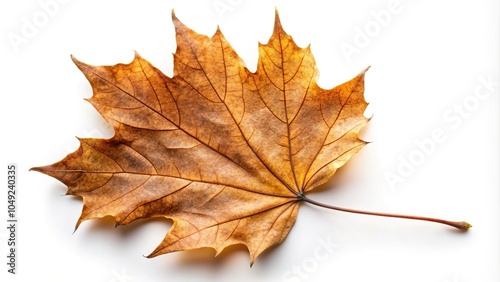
[(225, 153)]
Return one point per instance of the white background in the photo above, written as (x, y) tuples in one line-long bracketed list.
[(426, 61)]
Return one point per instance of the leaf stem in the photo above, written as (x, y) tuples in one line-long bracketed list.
[(462, 225)]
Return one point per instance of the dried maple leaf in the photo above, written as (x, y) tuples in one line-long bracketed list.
[(225, 153)]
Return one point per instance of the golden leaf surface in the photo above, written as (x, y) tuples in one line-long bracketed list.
[(225, 153)]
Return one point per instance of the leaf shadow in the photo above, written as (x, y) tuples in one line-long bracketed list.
[(334, 184), (206, 257), (108, 224), (203, 258), (346, 174), (212, 267)]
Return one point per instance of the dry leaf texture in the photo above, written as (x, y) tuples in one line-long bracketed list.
[(223, 152)]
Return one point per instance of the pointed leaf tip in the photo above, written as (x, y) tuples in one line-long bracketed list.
[(41, 169), (74, 59), (174, 17), (175, 20), (78, 63), (277, 20)]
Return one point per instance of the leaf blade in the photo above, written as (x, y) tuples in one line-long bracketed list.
[(215, 133)]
